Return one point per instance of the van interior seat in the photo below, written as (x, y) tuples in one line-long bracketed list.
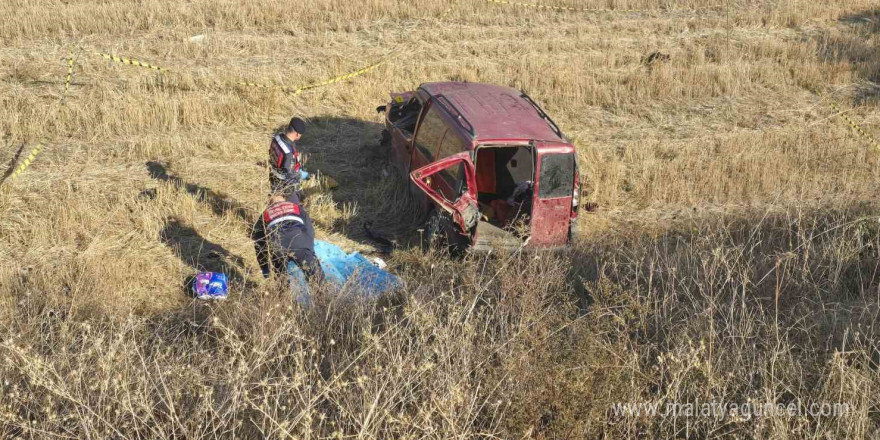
[(486, 171)]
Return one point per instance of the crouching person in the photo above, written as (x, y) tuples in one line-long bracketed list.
[(284, 239)]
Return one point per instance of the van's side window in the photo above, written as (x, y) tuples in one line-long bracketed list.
[(452, 144), (431, 132)]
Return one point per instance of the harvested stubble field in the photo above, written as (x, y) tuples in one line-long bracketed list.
[(734, 257)]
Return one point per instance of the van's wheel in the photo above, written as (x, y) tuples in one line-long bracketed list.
[(433, 236), (440, 233)]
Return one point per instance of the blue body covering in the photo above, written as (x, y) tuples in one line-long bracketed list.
[(341, 269)]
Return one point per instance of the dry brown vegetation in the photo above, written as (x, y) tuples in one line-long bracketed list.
[(734, 257)]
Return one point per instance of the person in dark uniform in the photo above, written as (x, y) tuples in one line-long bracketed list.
[(285, 233), (284, 158)]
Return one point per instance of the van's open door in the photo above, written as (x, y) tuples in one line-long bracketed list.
[(464, 210), (552, 200)]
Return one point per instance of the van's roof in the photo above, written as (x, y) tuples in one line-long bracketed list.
[(496, 113)]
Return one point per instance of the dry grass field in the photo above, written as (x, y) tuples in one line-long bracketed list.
[(734, 256)]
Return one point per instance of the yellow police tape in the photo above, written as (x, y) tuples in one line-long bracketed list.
[(132, 62), (334, 80), (339, 78), (27, 161), (264, 86), (69, 76), (294, 91), (560, 8), (855, 126)]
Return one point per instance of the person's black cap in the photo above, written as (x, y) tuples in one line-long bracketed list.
[(297, 125)]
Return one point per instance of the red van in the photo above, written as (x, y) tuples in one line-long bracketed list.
[(492, 169)]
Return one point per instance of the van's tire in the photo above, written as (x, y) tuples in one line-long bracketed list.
[(432, 236), (440, 233)]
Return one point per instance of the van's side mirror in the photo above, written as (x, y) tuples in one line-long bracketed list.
[(381, 109)]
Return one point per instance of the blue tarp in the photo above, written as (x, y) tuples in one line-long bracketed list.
[(341, 269)]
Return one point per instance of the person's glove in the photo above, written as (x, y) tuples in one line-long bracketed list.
[(303, 174)]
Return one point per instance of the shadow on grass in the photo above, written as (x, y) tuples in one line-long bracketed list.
[(349, 150), (202, 254), (856, 48), (220, 203)]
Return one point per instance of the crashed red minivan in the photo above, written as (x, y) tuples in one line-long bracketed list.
[(491, 168)]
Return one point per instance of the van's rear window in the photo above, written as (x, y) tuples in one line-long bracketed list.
[(557, 176)]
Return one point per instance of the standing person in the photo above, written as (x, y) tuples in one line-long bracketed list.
[(284, 158), (284, 234)]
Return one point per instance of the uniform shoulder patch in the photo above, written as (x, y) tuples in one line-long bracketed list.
[(280, 210)]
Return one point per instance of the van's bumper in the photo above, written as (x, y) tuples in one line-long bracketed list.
[(490, 237)]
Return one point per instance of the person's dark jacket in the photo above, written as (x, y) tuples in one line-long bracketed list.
[(285, 232), (285, 161)]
